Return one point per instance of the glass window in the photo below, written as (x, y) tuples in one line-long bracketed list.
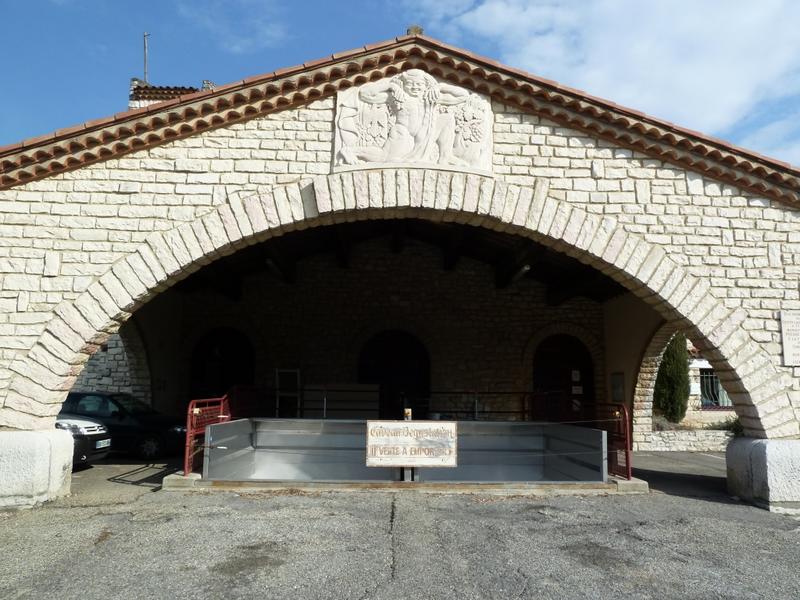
[(712, 395), (131, 405), (94, 406)]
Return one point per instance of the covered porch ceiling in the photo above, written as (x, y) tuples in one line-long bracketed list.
[(511, 257)]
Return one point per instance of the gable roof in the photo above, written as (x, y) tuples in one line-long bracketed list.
[(126, 132)]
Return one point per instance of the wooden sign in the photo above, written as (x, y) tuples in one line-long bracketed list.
[(412, 444)]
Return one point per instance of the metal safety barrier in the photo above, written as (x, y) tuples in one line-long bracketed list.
[(201, 413), (362, 402), (335, 450)]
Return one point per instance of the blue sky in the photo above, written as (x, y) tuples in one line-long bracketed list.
[(729, 68)]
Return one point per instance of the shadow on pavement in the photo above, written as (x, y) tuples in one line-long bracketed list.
[(689, 485), (145, 475)]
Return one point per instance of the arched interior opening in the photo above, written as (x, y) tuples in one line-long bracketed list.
[(398, 363), (563, 378)]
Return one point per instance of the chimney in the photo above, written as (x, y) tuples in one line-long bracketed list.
[(144, 94)]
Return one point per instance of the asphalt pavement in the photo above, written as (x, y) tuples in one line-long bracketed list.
[(120, 536)]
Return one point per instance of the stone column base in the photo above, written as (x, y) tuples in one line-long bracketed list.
[(35, 466), (766, 473)]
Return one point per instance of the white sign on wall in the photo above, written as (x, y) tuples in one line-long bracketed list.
[(790, 335), (412, 444)]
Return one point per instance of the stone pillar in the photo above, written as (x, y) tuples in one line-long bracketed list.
[(765, 472), (35, 466)]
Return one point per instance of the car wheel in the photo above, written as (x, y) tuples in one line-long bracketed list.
[(149, 447)]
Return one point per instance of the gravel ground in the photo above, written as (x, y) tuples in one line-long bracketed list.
[(678, 542)]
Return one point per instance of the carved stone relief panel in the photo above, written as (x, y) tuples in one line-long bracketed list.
[(413, 119)]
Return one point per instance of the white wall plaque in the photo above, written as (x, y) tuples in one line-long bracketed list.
[(790, 335), (412, 119), (412, 444)]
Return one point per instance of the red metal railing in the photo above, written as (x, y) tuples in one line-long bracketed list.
[(201, 413), (615, 420)]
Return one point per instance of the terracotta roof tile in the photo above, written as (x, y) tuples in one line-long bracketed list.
[(158, 92), (348, 53)]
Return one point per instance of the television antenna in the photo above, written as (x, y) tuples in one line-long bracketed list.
[(145, 36)]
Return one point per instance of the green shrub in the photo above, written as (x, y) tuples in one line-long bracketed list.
[(733, 425), (671, 395)]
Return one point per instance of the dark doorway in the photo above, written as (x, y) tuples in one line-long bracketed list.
[(397, 362), (221, 359), (563, 379)]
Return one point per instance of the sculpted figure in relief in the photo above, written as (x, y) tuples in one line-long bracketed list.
[(412, 118)]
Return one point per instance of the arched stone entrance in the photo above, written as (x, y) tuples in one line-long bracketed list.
[(586, 338), (759, 391), (43, 376), (563, 377)]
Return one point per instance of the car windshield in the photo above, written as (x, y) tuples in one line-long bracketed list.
[(131, 404)]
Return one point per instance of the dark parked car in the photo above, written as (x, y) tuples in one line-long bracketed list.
[(92, 440), (134, 426)]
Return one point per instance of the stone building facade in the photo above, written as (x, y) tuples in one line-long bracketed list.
[(99, 221)]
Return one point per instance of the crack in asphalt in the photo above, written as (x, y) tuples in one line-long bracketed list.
[(527, 582), (392, 539), (392, 550)]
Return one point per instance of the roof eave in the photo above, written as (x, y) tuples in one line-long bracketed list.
[(161, 122)]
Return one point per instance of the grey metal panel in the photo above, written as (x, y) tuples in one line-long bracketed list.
[(229, 453), (303, 450), (575, 454), (507, 451), (492, 451)]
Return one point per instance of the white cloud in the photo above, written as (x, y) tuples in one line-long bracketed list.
[(779, 137), (237, 26), (704, 64)]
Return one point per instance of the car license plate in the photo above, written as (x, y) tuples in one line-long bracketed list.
[(102, 443)]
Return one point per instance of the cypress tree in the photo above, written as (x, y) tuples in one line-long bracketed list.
[(671, 394)]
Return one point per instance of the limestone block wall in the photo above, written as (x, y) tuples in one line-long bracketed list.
[(108, 369), (120, 365), (700, 440), (59, 234), (746, 247)]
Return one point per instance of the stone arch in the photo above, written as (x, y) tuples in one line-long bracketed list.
[(586, 337), (41, 378), (120, 365), (642, 414)]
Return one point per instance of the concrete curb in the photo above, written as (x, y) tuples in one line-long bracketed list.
[(194, 483)]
